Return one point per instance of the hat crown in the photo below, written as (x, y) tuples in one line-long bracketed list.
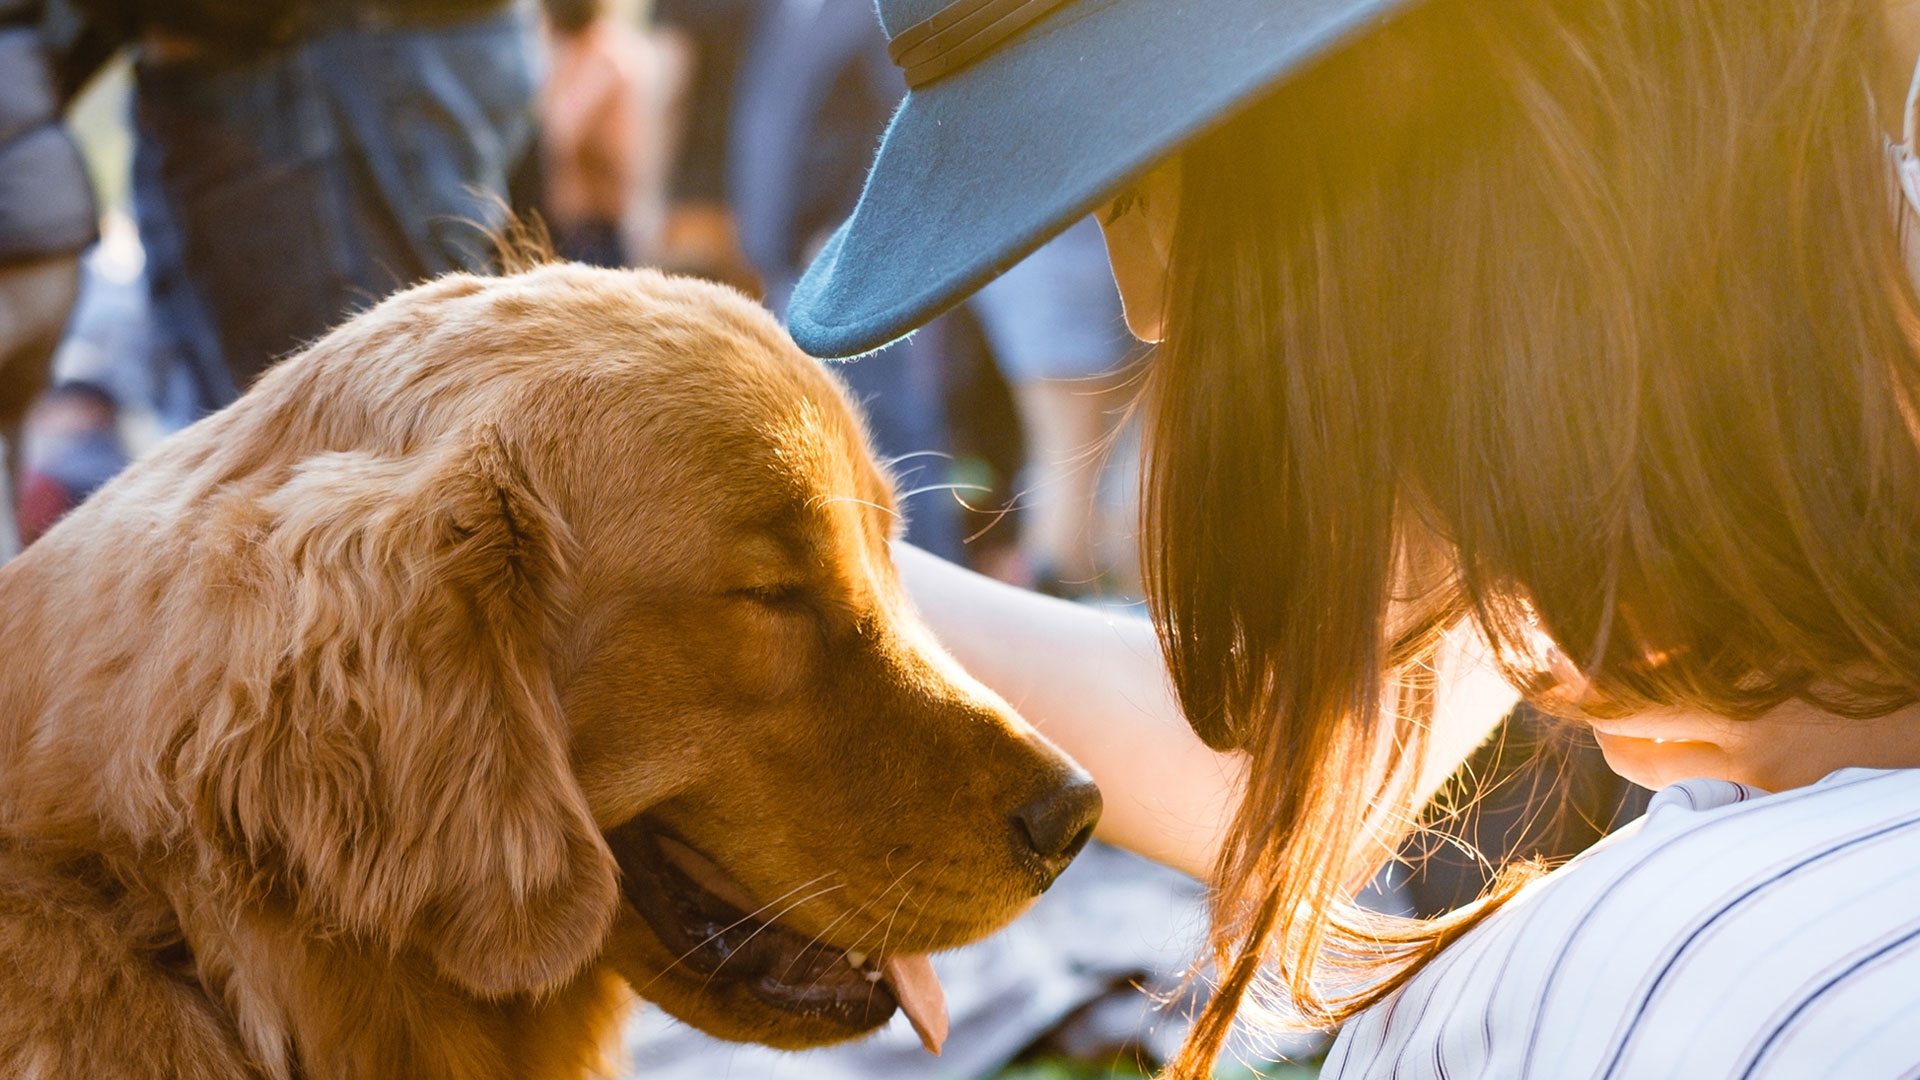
[(897, 15)]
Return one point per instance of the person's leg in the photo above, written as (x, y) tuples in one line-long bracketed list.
[(190, 374), (1068, 424), (236, 183), (434, 121), (35, 298), (1055, 325), (309, 182)]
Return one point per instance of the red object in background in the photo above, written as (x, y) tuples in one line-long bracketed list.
[(43, 502)]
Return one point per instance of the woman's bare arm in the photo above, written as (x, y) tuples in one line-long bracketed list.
[(1094, 682)]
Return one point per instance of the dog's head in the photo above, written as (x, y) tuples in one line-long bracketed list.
[(587, 644)]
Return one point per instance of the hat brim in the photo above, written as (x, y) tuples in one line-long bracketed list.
[(979, 169)]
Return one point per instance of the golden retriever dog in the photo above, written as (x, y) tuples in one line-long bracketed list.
[(523, 645)]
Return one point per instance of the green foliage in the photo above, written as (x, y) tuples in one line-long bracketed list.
[(1069, 1070)]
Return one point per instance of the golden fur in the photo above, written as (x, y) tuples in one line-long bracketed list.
[(316, 722)]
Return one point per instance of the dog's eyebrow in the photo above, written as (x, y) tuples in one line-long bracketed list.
[(785, 540)]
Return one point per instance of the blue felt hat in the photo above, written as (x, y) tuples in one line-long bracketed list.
[(1023, 116)]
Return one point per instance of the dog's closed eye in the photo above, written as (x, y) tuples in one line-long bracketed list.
[(779, 595)]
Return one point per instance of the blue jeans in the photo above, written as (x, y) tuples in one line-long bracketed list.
[(280, 193)]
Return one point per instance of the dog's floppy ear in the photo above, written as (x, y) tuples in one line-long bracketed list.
[(393, 749)]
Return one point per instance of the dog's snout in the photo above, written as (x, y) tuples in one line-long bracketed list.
[(1058, 823)]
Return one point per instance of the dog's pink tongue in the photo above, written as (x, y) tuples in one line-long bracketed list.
[(921, 997)]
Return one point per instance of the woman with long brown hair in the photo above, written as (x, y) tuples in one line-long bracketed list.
[(1568, 341)]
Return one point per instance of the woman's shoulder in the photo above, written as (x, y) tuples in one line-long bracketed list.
[(1729, 932)]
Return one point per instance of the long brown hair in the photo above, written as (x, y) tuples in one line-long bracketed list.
[(1567, 321)]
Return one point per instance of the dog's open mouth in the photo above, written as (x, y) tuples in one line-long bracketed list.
[(714, 927)]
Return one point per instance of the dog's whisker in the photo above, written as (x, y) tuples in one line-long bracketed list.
[(919, 914), (854, 912), (898, 458), (808, 884), (860, 943), (749, 917), (827, 500), (887, 937), (855, 947), (776, 918), (816, 939), (994, 516), (676, 962), (864, 905), (898, 879), (927, 488), (887, 928), (744, 919)]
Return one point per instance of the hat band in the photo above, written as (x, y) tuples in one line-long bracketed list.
[(960, 34)]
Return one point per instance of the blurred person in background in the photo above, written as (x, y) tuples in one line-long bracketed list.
[(73, 449), (46, 217), (814, 92), (602, 138), (110, 398), (702, 43), (1057, 332), (298, 159)]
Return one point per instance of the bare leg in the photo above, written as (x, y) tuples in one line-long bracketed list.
[(1068, 424), (35, 298), (9, 521)]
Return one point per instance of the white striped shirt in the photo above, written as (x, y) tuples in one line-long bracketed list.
[(1728, 933)]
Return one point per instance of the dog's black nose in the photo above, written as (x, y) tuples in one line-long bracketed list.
[(1055, 826)]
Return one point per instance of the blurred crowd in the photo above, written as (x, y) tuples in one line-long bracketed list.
[(262, 169)]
